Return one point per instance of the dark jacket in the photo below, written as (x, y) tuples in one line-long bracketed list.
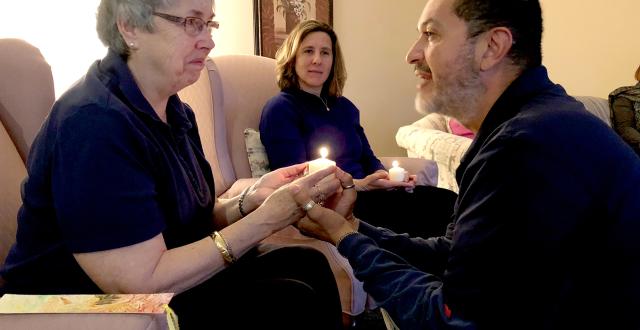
[(546, 227)]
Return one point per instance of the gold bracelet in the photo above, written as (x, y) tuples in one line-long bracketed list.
[(345, 236), (223, 247)]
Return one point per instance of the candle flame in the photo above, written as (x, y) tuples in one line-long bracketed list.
[(395, 163), (324, 152)]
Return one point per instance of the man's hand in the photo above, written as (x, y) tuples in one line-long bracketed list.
[(321, 223)]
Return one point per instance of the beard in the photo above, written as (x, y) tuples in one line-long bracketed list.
[(458, 94)]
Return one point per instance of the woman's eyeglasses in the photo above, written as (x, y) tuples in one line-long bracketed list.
[(193, 26)]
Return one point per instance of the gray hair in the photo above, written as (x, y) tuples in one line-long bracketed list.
[(137, 13)]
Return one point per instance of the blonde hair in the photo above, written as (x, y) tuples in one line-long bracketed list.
[(638, 73), (286, 58)]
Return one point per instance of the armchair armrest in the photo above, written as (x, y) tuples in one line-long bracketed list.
[(426, 171), (433, 121)]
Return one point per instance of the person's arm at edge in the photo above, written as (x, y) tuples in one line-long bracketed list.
[(623, 119)]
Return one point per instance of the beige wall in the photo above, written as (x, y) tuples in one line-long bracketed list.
[(591, 47), (375, 36), (235, 35)]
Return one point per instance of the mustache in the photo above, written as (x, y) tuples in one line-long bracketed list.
[(422, 67)]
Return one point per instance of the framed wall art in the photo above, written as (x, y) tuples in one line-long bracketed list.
[(274, 19)]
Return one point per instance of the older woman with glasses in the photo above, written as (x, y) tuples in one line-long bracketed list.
[(120, 199)]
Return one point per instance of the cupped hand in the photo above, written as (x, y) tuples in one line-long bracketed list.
[(321, 185), (280, 209), (380, 180), (271, 181)]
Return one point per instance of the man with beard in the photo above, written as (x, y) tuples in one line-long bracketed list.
[(546, 222)]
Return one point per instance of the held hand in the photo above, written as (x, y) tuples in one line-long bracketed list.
[(321, 223), (271, 181), (343, 200), (380, 180), (281, 209)]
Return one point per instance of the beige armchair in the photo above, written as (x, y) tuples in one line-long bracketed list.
[(26, 96), (227, 99)]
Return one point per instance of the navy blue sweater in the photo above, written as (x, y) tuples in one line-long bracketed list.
[(295, 124)]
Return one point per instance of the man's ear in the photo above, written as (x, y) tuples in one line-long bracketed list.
[(496, 44), (128, 32)]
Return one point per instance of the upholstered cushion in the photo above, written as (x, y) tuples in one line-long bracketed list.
[(597, 106), (12, 172), (433, 121), (228, 98), (258, 160), (26, 91)]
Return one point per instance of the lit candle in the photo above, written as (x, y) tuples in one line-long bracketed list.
[(322, 162), (397, 173)]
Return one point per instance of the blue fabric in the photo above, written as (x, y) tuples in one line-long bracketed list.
[(545, 233), (295, 124), (105, 172)]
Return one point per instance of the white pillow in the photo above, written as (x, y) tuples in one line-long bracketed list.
[(258, 160)]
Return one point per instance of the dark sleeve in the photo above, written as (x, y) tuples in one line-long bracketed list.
[(429, 255), (413, 298), (281, 133), (104, 196), (624, 121), (370, 163)]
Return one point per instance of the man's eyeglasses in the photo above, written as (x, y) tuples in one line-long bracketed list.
[(192, 25)]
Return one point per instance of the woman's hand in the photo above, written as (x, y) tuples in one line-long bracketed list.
[(269, 182), (343, 200), (380, 180), (280, 208)]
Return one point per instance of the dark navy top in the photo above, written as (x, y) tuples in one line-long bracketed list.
[(105, 172), (295, 124), (546, 232)]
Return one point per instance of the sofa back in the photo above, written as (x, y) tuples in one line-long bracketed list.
[(26, 96), (597, 106), (227, 99)]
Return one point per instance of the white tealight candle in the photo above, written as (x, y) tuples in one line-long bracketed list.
[(397, 173), (322, 162)]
